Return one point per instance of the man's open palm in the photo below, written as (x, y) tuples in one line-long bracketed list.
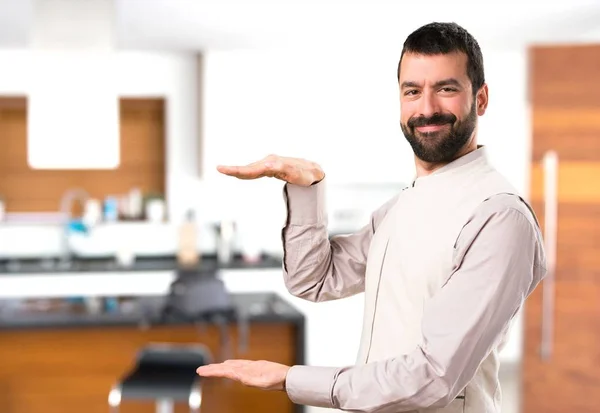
[(292, 170), (262, 374)]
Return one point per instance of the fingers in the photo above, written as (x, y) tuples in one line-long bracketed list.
[(292, 170), (261, 374), (218, 370), (227, 170), (270, 166), (237, 370), (242, 172), (211, 370)]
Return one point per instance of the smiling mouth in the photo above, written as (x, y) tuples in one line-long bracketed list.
[(431, 128)]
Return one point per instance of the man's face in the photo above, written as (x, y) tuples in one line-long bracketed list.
[(438, 113)]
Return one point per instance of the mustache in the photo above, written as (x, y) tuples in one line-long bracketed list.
[(436, 119)]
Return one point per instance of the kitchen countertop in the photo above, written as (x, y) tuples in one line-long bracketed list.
[(142, 311), (167, 263)]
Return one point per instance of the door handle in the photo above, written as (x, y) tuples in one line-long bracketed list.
[(550, 167)]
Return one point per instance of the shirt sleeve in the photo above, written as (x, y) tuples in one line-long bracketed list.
[(499, 260), (315, 266)]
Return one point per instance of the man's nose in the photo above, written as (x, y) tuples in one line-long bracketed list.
[(428, 105)]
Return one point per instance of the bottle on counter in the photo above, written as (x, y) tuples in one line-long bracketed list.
[(92, 212), (187, 253), (225, 241), (135, 203), (111, 209)]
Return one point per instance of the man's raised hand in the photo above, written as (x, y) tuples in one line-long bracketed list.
[(292, 170)]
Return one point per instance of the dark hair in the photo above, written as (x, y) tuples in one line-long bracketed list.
[(444, 38)]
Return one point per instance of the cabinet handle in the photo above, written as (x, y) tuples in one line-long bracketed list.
[(550, 162)]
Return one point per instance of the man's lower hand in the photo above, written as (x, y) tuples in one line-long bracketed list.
[(264, 375)]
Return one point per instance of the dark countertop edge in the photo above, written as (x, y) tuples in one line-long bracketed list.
[(84, 266), (83, 324), (290, 314)]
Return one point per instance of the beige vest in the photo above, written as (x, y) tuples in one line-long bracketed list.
[(410, 257)]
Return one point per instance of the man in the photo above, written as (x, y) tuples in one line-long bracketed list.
[(444, 265)]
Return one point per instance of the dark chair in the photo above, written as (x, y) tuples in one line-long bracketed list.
[(165, 374)]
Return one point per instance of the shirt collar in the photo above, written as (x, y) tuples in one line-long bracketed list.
[(478, 154)]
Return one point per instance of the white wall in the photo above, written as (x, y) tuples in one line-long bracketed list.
[(505, 128), (307, 103)]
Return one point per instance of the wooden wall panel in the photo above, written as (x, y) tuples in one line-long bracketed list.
[(565, 97), (578, 259), (565, 79), (573, 131), (576, 181), (142, 159)]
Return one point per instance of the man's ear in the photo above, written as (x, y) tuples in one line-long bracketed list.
[(482, 99)]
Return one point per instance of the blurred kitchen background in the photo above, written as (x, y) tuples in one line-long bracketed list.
[(115, 113)]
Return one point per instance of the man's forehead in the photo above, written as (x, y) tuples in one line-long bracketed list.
[(433, 68)]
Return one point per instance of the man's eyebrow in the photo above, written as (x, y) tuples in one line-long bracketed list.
[(409, 83), (448, 82), (444, 82)]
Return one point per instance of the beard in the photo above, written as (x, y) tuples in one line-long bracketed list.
[(441, 145)]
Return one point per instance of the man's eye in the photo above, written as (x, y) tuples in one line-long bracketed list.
[(410, 92)]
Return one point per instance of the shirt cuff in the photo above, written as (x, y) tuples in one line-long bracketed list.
[(305, 204), (311, 386)]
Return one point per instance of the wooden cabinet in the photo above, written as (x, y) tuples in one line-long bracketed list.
[(72, 369)]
